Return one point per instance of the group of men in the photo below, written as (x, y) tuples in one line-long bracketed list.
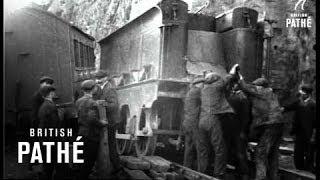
[(98, 134), (222, 112)]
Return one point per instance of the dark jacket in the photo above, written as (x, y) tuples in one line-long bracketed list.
[(213, 97), (36, 102), (192, 106), (305, 117), (265, 105), (242, 107), (49, 118), (111, 97), (88, 118), (213, 100)]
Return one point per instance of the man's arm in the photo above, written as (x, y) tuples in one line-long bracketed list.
[(54, 117), (292, 105), (249, 89)]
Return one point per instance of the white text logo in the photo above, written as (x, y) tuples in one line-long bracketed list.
[(302, 2)]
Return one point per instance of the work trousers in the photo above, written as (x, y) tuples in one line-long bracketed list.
[(114, 156), (191, 152), (90, 152), (303, 153), (267, 152), (236, 144), (212, 136)]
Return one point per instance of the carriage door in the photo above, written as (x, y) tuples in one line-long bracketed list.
[(25, 86)]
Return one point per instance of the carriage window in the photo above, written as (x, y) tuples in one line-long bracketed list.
[(83, 55), (76, 53), (87, 56), (92, 57)]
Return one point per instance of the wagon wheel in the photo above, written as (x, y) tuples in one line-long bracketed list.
[(124, 146), (146, 145)]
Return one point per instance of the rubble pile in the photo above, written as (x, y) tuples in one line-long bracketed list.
[(149, 167)]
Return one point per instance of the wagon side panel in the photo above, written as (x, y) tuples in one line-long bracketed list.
[(243, 46), (133, 46)]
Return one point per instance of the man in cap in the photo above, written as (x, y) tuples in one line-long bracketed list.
[(106, 91), (36, 101), (268, 122), (190, 123), (90, 127), (236, 129), (49, 118), (304, 127), (214, 110)]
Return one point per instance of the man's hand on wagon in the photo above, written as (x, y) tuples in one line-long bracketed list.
[(235, 69)]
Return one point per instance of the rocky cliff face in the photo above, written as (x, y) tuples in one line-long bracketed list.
[(98, 18), (292, 54)]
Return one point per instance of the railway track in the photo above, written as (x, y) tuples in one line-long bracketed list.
[(171, 159), (156, 167)]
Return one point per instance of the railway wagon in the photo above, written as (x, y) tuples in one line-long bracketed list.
[(153, 59), (38, 43)]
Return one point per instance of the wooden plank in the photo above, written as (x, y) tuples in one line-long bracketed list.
[(297, 173), (158, 163), (171, 94), (135, 163), (123, 136), (136, 174), (191, 174), (283, 150), (166, 132)]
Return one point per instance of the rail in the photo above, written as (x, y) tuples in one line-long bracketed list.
[(157, 166)]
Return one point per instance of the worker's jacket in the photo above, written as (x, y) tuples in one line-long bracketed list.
[(213, 100), (192, 106), (265, 105), (242, 107), (49, 118), (305, 117), (88, 118), (213, 97), (111, 97)]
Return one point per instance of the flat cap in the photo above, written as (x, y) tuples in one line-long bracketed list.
[(261, 82), (101, 74), (88, 84), (307, 88), (46, 79), (45, 90)]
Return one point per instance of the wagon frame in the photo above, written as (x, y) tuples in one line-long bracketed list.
[(173, 43)]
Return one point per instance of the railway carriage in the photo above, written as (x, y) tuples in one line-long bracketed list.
[(38, 43), (154, 57)]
